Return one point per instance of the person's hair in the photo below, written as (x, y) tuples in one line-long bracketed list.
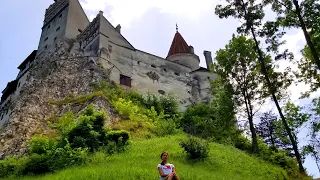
[(162, 163)]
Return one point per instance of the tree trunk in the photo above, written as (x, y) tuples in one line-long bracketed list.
[(306, 34), (271, 90), (250, 119)]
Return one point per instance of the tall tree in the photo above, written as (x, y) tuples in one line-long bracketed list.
[(313, 148), (252, 14), (307, 71), (270, 130), (267, 128), (237, 65), (292, 14)]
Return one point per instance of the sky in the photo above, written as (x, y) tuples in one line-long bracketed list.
[(149, 25)]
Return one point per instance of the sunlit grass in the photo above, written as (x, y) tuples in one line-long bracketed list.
[(142, 157)]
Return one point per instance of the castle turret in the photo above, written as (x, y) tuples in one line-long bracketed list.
[(63, 19), (183, 54)]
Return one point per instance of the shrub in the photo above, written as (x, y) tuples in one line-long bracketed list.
[(54, 159), (11, 166), (89, 132), (166, 104), (196, 148), (199, 121), (125, 108), (120, 137), (165, 127), (41, 144), (242, 143)]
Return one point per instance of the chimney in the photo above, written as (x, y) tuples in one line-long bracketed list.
[(118, 28), (191, 50), (101, 13), (207, 56)]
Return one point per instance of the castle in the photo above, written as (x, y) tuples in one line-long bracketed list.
[(65, 21)]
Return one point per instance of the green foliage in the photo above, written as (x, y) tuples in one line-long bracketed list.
[(89, 132), (165, 127), (41, 144), (242, 143), (121, 138), (196, 148), (199, 121), (166, 104)]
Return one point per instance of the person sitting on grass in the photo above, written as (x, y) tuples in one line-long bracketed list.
[(166, 170)]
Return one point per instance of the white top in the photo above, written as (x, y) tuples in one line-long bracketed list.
[(166, 169)]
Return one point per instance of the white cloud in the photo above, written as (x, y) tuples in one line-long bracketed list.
[(125, 11)]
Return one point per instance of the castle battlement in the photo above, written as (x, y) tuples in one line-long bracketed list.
[(90, 32), (54, 9)]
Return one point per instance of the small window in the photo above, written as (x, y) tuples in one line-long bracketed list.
[(138, 62), (55, 39), (208, 77), (165, 70), (49, 27), (154, 66), (60, 16), (161, 92), (46, 47), (58, 29), (189, 92), (2, 116), (125, 80), (176, 73), (45, 39), (19, 84)]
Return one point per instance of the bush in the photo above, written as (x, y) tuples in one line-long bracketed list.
[(120, 137), (54, 159), (196, 148), (41, 144), (11, 166), (166, 104), (165, 127), (199, 121), (242, 143), (89, 131)]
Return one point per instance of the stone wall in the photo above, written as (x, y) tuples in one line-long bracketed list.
[(55, 74), (148, 73)]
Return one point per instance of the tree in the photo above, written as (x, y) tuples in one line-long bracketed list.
[(237, 65), (307, 71), (267, 129), (224, 110), (252, 14), (303, 15), (313, 148)]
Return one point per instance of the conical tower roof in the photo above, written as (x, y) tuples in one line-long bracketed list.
[(179, 45)]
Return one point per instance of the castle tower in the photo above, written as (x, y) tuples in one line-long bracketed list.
[(183, 54), (63, 19)]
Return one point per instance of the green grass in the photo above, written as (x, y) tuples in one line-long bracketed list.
[(142, 157)]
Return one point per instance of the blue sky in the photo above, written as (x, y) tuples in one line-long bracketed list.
[(147, 25)]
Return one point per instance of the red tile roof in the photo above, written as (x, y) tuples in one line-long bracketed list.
[(178, 45)]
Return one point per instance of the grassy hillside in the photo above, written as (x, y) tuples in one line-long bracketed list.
[(141, 159)]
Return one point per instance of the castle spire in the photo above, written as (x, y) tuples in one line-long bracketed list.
[(178, 45)]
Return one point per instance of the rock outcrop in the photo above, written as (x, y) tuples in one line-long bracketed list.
[(54, 74)]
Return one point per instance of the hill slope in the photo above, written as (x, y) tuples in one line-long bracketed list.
[(141, 160)]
